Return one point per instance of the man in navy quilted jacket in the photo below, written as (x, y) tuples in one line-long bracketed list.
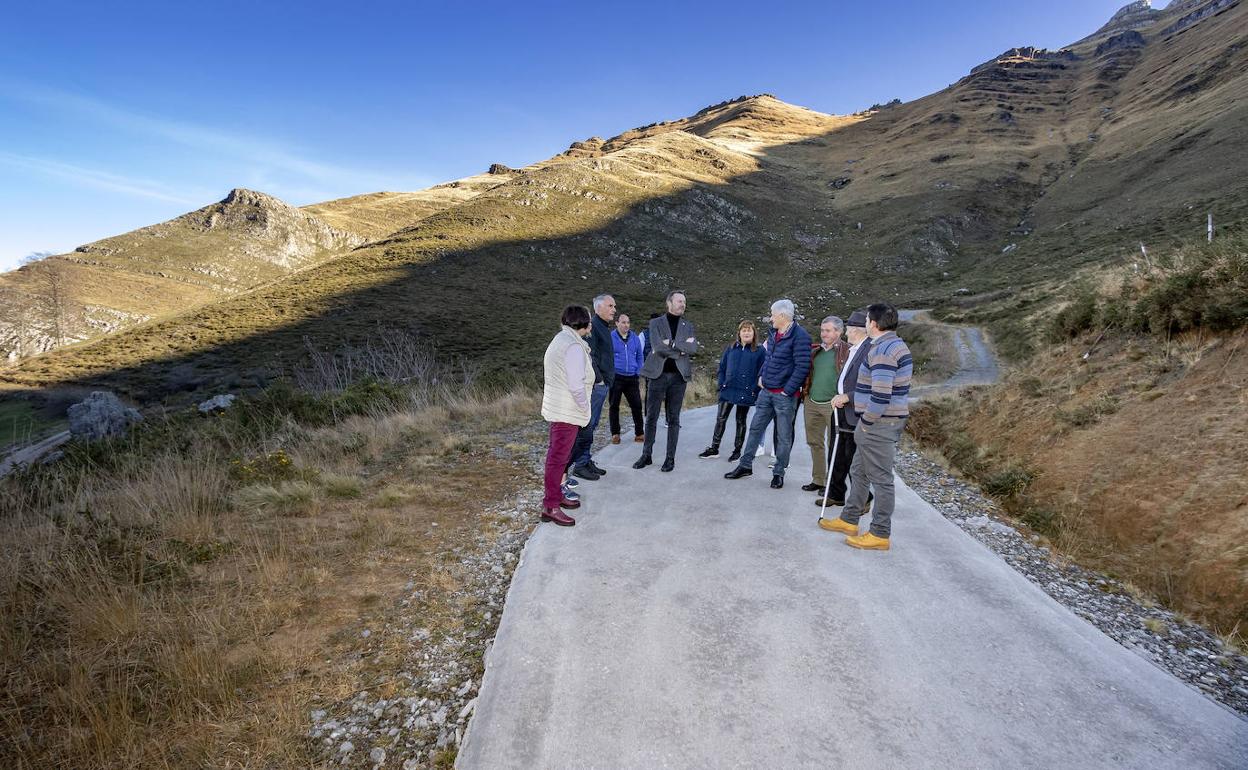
[(782, 378)]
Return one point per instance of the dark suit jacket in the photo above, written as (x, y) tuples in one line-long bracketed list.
[(846, 417), (676, 348)]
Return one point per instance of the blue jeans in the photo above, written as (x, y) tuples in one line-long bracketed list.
[(771, 406), (585, 438)]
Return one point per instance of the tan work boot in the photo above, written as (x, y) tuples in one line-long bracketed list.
[(838, 525), (868, 542), (615, 439)]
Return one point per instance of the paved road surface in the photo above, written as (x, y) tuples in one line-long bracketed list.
[(692, 622)]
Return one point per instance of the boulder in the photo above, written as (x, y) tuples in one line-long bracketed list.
[(216, 403), (101, 415)]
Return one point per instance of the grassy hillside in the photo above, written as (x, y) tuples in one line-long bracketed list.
[(1036, 164)]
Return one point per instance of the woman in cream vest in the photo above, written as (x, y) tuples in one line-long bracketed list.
[(569, 380)]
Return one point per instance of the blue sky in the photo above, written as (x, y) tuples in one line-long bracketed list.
[(114, 115)]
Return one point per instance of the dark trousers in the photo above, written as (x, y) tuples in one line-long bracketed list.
[(872, 471), (840, 464), (721, 422), (582, 449), (629, 387), (562, 436), (666, 390)]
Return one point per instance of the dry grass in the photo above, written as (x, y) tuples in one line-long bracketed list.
[(1147, 487), (163, 608)]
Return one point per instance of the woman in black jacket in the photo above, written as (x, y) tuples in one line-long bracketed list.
[(738, 386)]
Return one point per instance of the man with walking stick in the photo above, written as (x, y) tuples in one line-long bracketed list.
[(881, 403), (842, 453)]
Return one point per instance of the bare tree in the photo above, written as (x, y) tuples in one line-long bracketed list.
[(52, 298)]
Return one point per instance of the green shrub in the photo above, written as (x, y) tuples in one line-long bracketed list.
[(1078, 315), (1044, 520), (1007, 482)]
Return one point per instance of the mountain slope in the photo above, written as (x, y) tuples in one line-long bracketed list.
[(246, 239), (1034, 164), (374, 215)]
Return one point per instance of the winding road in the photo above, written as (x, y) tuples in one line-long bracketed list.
[(977, 363)]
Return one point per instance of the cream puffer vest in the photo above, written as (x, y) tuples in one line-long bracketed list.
[(557, 402)]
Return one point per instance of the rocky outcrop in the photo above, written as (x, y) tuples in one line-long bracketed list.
[(1131, 17), (101, 415), (1026, 55), (1200, 14), (590, 148), (1120, 42), (217, 403)]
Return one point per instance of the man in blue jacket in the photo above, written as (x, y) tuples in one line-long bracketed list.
[(784, 373), (628, 361)]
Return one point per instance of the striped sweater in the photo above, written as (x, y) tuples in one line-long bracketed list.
[(883, 388)]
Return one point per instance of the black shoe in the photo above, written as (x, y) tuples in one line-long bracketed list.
[(812, 487), (831, 503), (594, 467), (668, 465), (738, 472), (642, 462), (736, 455), (710, 452), (777, 482), (584, 472)]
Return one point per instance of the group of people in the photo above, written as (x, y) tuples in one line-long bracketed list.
[(853, 393)]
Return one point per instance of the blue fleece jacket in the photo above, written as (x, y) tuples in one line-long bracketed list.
[(628, 354)]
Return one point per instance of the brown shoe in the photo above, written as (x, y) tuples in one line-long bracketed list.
[(615, 439), (639, 439), (566, 503), (558, 517)]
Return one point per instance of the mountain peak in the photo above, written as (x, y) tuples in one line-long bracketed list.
[(1129, 18), (244, 197)]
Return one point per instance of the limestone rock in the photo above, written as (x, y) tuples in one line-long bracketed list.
[(218, 402), (101, 415)]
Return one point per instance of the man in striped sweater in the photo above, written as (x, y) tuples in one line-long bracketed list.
[(881, 402)]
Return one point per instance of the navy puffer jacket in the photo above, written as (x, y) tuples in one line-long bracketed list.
[(788, 360), (738, 374)]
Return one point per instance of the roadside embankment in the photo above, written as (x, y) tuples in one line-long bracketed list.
[(1129, 454)]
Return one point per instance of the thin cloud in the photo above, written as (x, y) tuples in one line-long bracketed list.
[(251, 149), (102, 180)]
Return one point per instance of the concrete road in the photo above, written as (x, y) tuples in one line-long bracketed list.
[(688, 621)]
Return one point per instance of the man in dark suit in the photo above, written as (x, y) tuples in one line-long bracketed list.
[(860, 343), (667, 371)]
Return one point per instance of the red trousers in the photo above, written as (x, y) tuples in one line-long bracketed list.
[(562, 436)]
